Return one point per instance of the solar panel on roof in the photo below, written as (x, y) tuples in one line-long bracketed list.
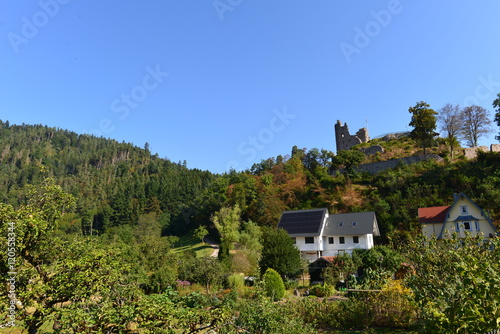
[(302, 222)]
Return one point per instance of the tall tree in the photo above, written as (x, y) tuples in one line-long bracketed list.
[(279, 253), (496, 104), (450, 121), (475, 124), (227, 221), (423, 121)]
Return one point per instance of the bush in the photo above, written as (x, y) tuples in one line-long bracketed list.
[(263, 316), (236, 282), (324, 290), (273, 284)]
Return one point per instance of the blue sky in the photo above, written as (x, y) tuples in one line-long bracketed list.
[(227, 83)]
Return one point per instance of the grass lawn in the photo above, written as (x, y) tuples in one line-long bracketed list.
[(189, 242)]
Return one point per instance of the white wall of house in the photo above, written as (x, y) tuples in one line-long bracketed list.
[(300, 242), (365, 241), (430, 230)]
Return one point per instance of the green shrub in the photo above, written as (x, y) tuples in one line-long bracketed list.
[(236, 282), (273, 284), (324, 290)]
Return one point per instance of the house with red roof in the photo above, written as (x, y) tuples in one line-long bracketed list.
[(463, 216)]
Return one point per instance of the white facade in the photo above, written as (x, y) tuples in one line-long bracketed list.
[(338, 234)]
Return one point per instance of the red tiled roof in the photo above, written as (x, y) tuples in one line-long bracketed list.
[(328, 258), (435, 214)]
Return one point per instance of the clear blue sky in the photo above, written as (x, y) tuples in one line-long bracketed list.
[(227, 83)]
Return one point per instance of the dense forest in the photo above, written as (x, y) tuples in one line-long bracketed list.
[(98, 227)]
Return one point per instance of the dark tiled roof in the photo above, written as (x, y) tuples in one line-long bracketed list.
[(435, 214), (303, 222), (342, 224)]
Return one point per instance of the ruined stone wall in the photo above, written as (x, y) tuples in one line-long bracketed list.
[(377, 167), (344, 140), (471, 152)]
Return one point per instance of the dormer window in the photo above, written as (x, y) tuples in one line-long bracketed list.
[(463, 209), (340, 224), (354, 224)]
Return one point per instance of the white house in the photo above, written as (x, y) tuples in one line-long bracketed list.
[(317, 233), (463, 216)]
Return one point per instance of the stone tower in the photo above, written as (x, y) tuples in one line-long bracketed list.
[(345, 140)]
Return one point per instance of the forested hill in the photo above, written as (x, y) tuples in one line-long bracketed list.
[(113, 183)]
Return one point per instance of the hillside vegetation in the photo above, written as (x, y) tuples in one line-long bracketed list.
[(114, 183), (104, 237)]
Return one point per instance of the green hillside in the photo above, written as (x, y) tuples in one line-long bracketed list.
[(115, 183)]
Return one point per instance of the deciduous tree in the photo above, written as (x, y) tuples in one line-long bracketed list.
[(49, 270), (450, 121), (475, 124)]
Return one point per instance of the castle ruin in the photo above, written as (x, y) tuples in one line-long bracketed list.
[(344, 140)]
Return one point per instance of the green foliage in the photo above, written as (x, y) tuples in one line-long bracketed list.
[(340, 269), (227, 221), (455, 284), (273, 284), (264, 316), (246, 259), (236, 282), (279, 253), (496, 105), (348, 159), (322, 290), (423, 121), (200, 232), (380, 257), (205, 271)]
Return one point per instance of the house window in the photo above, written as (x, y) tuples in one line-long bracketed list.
[(457, 227), (355, 239), (342, 240), (477, 225), (309, 240), (354, 224), (467, 226), (340, 224), (463, 209), (330, 240)]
